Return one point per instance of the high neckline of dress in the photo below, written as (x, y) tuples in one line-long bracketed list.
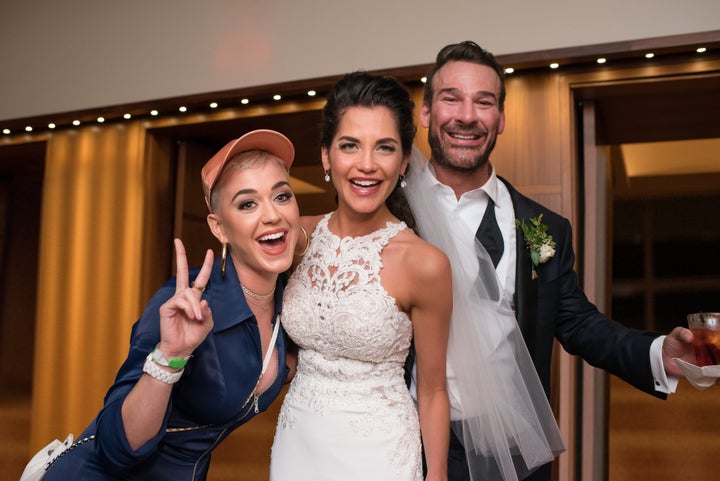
[(389, 225)]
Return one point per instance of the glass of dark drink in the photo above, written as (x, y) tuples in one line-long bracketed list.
[(705, 327)]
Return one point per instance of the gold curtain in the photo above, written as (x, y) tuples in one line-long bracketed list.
[(89, 281)]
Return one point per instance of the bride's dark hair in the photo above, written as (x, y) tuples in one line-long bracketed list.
[(361, 89)]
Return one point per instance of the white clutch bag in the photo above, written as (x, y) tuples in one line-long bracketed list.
[(35, 469)]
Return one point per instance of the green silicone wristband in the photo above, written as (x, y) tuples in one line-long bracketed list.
[(175, 362)]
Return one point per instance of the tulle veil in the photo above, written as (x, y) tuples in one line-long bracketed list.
[(508, 428)]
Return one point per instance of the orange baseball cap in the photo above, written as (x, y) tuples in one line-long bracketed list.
[(270, 141)]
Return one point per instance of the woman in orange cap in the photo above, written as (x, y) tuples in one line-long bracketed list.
[(205, 357)]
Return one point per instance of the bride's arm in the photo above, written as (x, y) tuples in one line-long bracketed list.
[(430, 313)]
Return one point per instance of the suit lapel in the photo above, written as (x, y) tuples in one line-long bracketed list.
[(526, 288)]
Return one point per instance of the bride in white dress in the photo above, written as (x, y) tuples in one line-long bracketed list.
[(366, 287)]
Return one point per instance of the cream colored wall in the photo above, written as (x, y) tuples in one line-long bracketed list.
[(76, 54)]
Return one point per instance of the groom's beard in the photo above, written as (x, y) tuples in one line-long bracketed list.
[(447, 160)]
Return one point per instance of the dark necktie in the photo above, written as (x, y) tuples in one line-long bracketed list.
[(489, 233)]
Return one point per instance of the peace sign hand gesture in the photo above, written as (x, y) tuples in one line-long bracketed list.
[(186, 318)]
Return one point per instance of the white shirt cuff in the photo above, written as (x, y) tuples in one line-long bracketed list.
[(663, 383)]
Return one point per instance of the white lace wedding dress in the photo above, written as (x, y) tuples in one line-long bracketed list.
[(348, 414)]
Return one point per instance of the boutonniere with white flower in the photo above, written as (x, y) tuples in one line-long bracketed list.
[(540, 243)]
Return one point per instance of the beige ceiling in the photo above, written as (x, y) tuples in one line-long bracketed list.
[(661, 169), (300, 186), (671, 158)]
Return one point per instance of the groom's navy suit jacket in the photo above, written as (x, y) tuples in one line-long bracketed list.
[(554, 306)]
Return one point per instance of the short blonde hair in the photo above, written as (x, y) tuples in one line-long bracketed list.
[(242, 161)]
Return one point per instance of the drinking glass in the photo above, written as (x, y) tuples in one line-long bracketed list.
[(705, 327)]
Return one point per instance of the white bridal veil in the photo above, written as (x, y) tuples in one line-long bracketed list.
[(507, 427)]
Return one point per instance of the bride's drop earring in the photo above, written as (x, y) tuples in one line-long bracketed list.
[(327, 176)]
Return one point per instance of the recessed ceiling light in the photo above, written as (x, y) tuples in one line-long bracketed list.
[(554, 65), (701, 50), (76, 123), (183, 109), (423, 79), (51, 125), (649, 55), (101, 119), (153, 113), (6, 131), (28, 129), (213, 105), (311, 93), (244, 101), (276, 97), (127, 116), (601, 60), (509, 70)]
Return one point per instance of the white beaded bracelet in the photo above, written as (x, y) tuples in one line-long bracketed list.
[(156, 372)]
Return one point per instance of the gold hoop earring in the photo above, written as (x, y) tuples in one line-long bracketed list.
[(223, 259), (307, 242)]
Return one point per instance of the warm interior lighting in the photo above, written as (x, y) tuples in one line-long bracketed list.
[(300, 186), (278, 97), (653, 159), (28, 129)]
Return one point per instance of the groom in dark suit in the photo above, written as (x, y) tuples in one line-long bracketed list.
[(463, 111)]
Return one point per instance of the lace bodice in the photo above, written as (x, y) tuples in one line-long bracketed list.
[(336, 306), (348, 413)]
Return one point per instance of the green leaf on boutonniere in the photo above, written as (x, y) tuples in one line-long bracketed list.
[(540, 243)]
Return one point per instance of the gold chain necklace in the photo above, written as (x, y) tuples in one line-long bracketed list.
[(264, 305), (256, 296)]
